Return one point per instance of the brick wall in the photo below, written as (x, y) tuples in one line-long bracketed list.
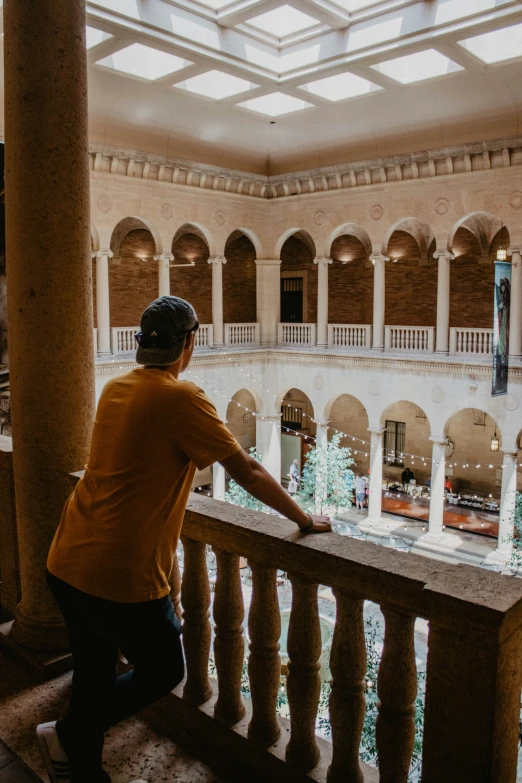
[(471, 283), (297, 257), (193, 283), (411, 287), (133, 283), (350, 285), (239, 281)]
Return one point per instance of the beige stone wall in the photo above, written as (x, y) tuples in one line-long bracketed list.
[(349, 415)]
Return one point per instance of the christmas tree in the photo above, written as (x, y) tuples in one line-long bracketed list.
[(327, 482), (236, 494)]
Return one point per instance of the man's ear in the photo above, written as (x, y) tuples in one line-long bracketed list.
[(189, 341)]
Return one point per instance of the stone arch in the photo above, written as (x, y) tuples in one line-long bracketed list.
[(295, 397), (415, 451), (241, 416), (199, 230), (470, 430), (132, 223), (252, 236), (421, 233), (482, 225), (95, 239), (350, 276), (239, 279), (300, 234), (352, 230)]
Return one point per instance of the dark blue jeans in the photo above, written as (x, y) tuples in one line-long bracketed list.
[(148, 635)]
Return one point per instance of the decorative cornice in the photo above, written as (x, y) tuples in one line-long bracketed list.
[(463, 159)]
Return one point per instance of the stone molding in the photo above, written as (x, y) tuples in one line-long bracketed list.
[(462, 159)]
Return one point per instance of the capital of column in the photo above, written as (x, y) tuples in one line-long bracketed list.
[(102, 252), (511, 454), (444, 254), (438, 441), (322, 423), (378, 258), (272, 417), (511, 251), (164, 257), (323, 260), (217, 260), (268, 262), (376, 430)]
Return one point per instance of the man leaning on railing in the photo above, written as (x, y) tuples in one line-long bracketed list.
[(113, 552)]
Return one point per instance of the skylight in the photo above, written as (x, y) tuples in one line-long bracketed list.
[(497, 46), (340, 87), (355, 5), (417, 67), (275, 104), (282, 21), (95, 37), (144, 62), (215, 84), (217, 5)]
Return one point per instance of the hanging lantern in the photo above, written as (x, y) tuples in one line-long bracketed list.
[(501, 252), (495, 443)]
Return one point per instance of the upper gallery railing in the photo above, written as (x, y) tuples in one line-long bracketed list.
[(296, 334), (474, 662), (474, 342), (350, 335), (409, 339), (237, 335)]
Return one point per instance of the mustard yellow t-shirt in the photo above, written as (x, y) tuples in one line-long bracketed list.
[(119, 529)]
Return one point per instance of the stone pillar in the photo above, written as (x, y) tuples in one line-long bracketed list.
[(443, 294), (378, 261), (508, 497), (268, 299), (50, 293), (164, 261), (217, 299), (321, 439), (103, 315), (375, 485), (218, 481), (322, 301), (438, 469), (268, 443), (515, 326)]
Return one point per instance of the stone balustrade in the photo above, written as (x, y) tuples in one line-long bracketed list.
[(472, 700), (296, 334), (350, 336), (239, 335), (409, 339), (471, 342)]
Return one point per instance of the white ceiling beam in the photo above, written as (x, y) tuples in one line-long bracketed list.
[(109, 47), (461, 57)]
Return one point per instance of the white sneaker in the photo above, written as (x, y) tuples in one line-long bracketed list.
[(53, 754)]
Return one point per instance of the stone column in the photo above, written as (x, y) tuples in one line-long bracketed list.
[(321, 438), (375, 484), (217, 299), (378, 261), (515, 326), (218, 481), (268, 443), (50, 290), (438, 470), (322, 301), (164, 261), (268, 299), (443, 294), (103, 316), (508, 497)]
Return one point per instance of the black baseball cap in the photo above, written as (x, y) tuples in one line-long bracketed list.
[(164, 326)]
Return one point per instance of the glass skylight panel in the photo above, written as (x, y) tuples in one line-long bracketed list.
[(417, 67), (94, 37), (341, 87), (282, 21), (215, 84), (275, 104), (144, 62), (497, 46)]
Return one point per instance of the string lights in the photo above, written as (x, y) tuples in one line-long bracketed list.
[(311, 438)]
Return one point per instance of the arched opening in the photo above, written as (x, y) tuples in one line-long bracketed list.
[(411, 276), (406, 442), (350, 282), (473, 277), (133, 273), (241, 419), (297, 431), (298, 279), (190, 272), (239, 279), (348, 415)]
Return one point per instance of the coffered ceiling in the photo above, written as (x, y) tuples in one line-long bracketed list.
[(273, 86)]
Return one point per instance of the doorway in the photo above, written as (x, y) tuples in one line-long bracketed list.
[(292, 299)]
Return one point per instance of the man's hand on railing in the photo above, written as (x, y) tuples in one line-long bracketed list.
[(321, 524)]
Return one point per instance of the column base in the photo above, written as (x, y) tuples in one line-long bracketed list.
[(498, 556), (104, 355), (435, 536), (377, 348), (46, 664), (321, 345), (218, 347), (33, 634), (442, 353)]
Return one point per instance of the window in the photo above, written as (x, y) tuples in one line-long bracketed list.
[(395, 442), (291, 417)]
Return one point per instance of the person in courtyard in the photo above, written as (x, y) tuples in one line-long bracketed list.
[(360, 491), (113, 552), (407, 475), (294, 476)]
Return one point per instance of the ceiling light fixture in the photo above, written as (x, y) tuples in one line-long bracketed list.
[(501, 252), (495, 442)]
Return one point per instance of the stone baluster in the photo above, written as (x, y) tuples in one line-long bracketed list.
[(397, 689), (347, 703), (264, 663), (175, 589), (229, 643), (195, 598), (304, 682)]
